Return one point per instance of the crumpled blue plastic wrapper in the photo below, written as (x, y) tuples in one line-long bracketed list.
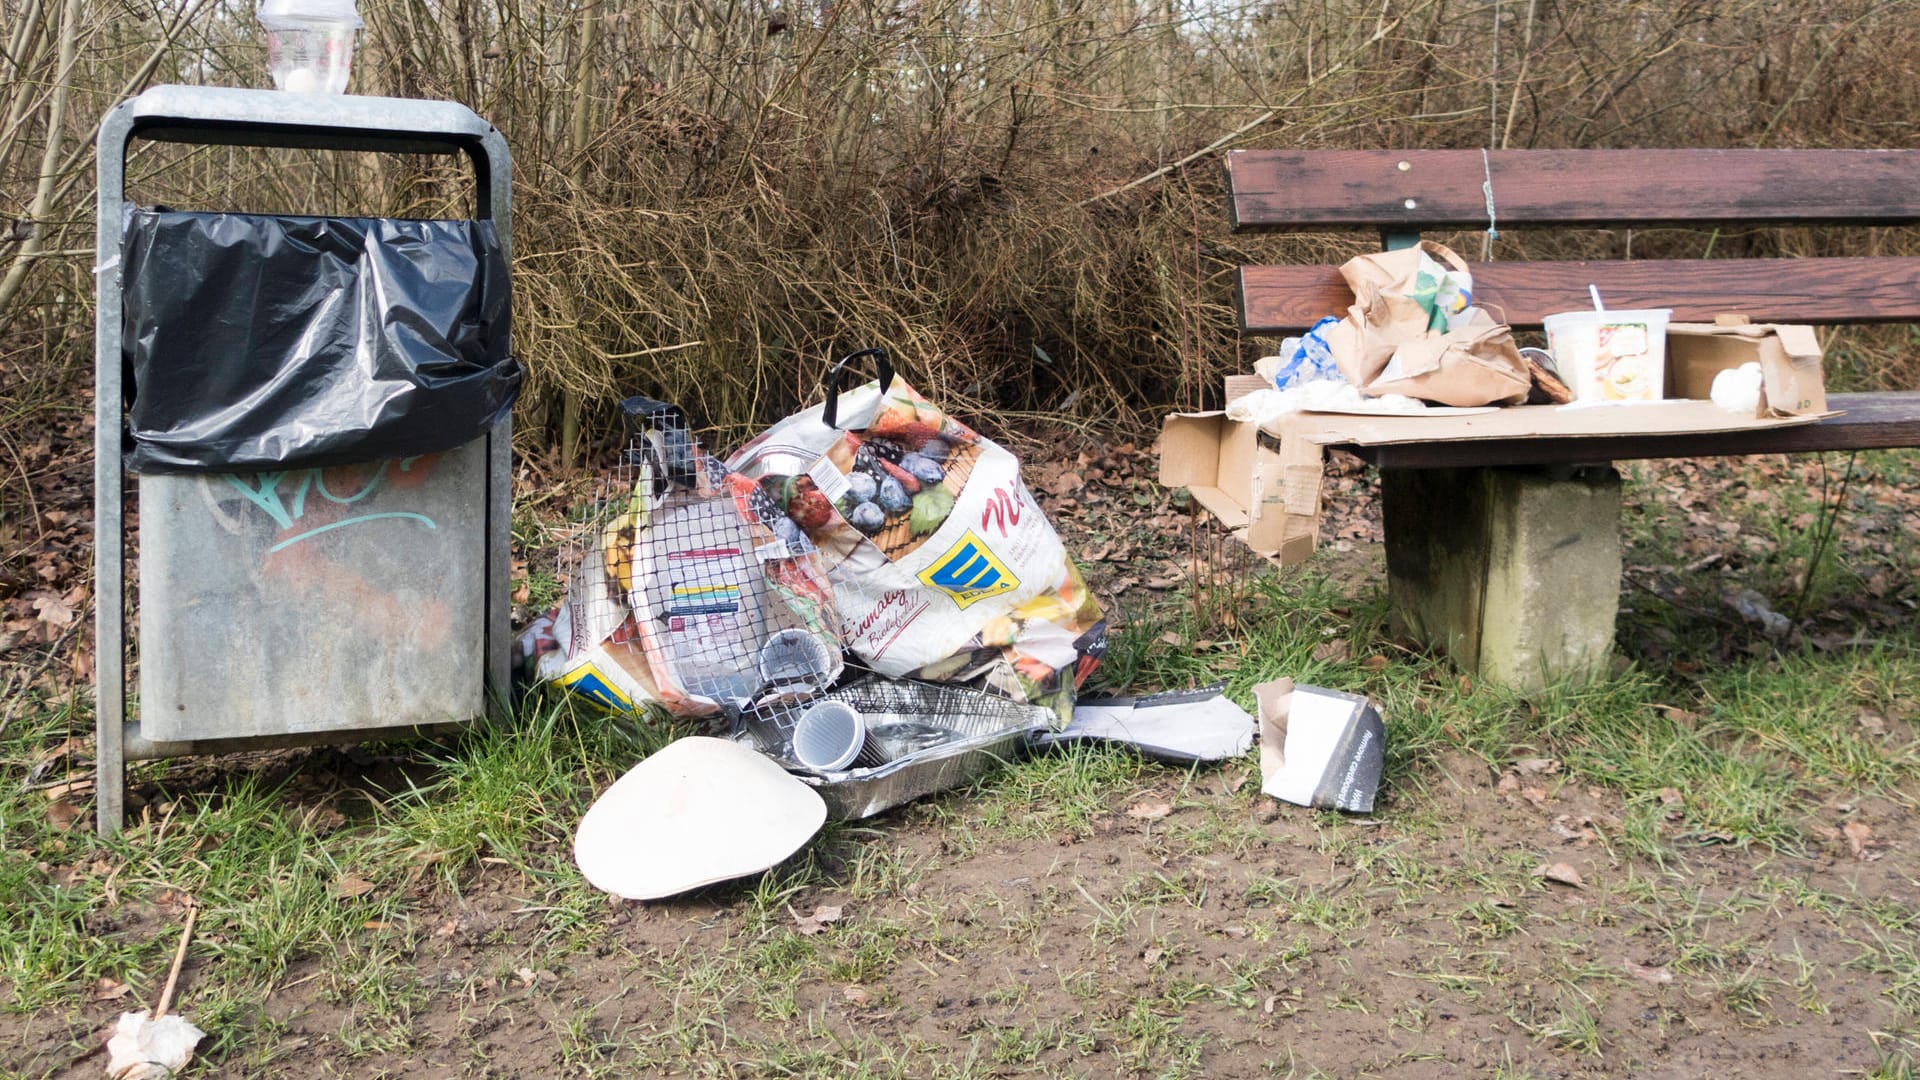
[(1310, 359)]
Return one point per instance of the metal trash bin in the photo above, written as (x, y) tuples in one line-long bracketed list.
[(316, 603)]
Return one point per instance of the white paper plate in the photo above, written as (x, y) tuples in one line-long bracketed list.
[(699, 811)]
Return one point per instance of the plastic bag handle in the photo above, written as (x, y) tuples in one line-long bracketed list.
[(676, 435), (881, 365)]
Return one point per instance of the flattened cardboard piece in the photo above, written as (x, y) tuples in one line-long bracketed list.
[(1578, 420), (698, 811), (1178, 726), (1789, 356), (1319, 748)]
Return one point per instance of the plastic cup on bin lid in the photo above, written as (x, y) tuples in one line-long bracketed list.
[(310, 44)]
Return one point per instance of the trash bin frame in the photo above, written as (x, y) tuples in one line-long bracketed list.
[(271, 119)]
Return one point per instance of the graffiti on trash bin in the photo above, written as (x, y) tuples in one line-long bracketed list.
[(303, 497)]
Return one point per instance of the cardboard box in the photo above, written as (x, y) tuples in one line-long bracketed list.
[(1264, 483), (1789, 359), (1240, 477)]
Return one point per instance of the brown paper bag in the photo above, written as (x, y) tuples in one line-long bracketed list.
[(1476, 364), (1384, 345)]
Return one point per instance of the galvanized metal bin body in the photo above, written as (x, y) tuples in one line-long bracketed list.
[(341, 599), (308, 605)]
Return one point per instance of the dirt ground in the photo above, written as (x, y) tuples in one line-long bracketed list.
[(1386, 948), (1496, 916)]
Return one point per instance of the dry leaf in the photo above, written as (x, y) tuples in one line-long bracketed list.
[(70, 787), (527, 976), (1560, 873), (1375, 663), (1333, 652), (62, 814), (110, 989), (53, 611), (1537, 766), (1535, 795), (1150, 809), (1573, 832), (1860, 837), (348, 886), (816, 923), (1871, 722), (856, 997), (1655, 975), (1679, 715), (1152, 956)]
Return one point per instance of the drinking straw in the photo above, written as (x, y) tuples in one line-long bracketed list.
[(1594, 291)]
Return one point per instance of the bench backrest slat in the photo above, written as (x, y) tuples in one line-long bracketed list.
[(1407, 191), (1282, 299)]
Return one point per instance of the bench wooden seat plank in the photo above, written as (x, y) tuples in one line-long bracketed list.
[(1871, 421), (1444, 189), (1287, 299)]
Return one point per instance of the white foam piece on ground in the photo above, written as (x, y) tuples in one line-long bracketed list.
[(699, 811)]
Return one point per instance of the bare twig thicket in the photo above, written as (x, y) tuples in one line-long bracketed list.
[(1020, 197)]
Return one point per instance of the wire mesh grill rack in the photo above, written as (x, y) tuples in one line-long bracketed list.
[(693, 566)]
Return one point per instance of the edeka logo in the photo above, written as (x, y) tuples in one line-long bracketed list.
[(969, 573)]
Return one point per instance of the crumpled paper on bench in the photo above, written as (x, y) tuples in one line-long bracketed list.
[(1412, 330)]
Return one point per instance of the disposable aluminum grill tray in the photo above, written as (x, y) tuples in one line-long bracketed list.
[(934, 737)]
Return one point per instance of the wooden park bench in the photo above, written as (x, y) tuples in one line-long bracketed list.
[(1506, 553)]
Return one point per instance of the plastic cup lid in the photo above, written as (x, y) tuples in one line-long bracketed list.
[(297, 11), (699, 811), (828, 736)]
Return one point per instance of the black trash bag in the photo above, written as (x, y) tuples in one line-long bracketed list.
[(256, 341)]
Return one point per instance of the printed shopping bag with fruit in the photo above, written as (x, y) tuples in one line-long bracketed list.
[(943, 566)]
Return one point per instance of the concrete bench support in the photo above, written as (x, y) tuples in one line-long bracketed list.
[(1513, 572)]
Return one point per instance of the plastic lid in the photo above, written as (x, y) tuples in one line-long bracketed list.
[(698, 811), (828, 736), (285, 11)]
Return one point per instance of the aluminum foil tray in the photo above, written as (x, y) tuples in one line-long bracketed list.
[(937, 736)]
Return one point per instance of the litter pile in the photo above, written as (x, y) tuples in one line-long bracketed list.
[(1413, 360), (867, 606)]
